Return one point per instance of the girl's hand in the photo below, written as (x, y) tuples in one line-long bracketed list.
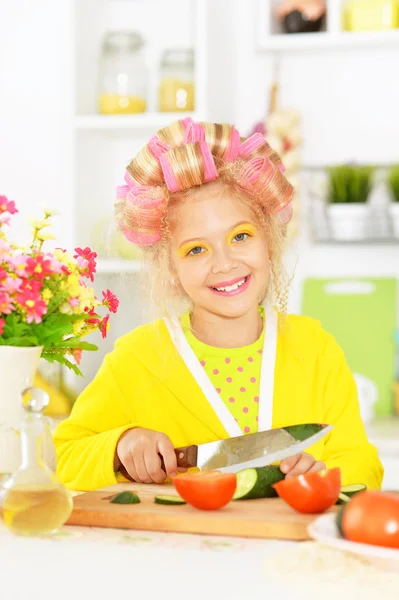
[(300, 463), (140, 451)]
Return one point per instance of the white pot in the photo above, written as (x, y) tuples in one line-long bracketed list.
[(394, 214), (349, 221), (17, 371)]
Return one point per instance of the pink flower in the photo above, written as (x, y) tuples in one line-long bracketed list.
[(39, 267), (3, 273), (35, 307), (5, 219), (7, 206), (77, 354), (88, 256), (55, 266), (11, 284), (110, 301), (6, 305), (104, 326), (2, 325), (95, 320), (31, 285), (74, 302), (19, 264), (5, 248)]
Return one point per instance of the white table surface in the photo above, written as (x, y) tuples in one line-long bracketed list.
[(85, 563)]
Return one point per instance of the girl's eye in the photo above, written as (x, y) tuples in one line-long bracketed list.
[(240, 237), (196, 250)]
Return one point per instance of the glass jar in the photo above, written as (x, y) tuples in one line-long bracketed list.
[(176, 87), (123, 79)]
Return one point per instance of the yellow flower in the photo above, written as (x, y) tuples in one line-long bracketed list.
[(47, 295), (65, 258), (43, 237), (87, 299), (73, 286), (49, 212), (78, 327), (66, 309), (38, 224)]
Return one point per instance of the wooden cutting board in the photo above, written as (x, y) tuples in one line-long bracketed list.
[(265, 518)]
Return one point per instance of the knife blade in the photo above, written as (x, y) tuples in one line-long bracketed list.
[(252, 450)]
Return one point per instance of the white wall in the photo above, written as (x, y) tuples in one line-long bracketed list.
[(35, 94)]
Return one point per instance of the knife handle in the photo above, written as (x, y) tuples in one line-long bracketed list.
[(186, 458)]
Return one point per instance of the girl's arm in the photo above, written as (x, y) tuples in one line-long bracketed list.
[(87, 440), (347, 446)]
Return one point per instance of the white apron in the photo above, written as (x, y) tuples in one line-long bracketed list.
[(266, 391)]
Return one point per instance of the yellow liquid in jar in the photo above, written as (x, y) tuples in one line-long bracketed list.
[(33, 510), (176, 95), (114, 104)]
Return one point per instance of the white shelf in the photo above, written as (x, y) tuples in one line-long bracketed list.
[(325, 40), (129, 122), (110, 266)]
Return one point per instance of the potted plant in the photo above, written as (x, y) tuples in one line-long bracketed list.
[(348, 189), (393, 183), (46, 310)]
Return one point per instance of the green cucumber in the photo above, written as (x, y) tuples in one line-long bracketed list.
[(169, 500), (125, 498), (347, 491), (257, 483), (303, 432)]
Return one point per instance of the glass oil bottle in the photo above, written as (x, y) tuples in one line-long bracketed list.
[(34, 501)]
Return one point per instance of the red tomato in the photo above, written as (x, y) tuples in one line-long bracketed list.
[(206, 491), (372, 518), (311, 492)]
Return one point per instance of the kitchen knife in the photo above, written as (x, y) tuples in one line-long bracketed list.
[(251, 450)]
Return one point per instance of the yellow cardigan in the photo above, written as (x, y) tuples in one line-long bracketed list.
[(144, 382)]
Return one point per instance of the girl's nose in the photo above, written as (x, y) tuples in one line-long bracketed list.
[(224, 260)]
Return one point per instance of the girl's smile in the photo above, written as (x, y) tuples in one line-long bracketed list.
[(232, 288)]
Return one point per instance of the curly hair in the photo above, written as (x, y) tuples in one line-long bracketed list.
[(170, 169)]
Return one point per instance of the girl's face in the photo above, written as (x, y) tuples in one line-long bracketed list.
[(219, 253)]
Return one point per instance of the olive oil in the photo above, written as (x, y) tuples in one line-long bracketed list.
[(35, 510)]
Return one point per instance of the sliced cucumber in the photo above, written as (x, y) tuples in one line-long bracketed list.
[(169, 500), (125, 498), (257, 483), (347, 491), (338, 520)]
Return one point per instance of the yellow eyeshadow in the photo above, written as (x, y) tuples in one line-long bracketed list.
[(186, 248), (246, 228)]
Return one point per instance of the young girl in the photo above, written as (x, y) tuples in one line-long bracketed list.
[(209, 210)]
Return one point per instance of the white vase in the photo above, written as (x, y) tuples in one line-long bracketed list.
[(17, 371), (394, 215), (349, 221)]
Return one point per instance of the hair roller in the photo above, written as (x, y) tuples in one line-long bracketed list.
[(251, 145), (187, 166), (231, 153), (141, 216), (261, 176), (144, 169), (194, 133), (284, 214), (157, 147)]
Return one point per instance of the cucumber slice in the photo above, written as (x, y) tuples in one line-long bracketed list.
[(350, 490), (125, 498), (338, 520), (169, 500), (257, 483)]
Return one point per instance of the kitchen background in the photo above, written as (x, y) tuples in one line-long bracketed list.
[(85, 83)]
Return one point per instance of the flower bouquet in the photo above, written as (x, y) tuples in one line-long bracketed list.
[(44, 298)]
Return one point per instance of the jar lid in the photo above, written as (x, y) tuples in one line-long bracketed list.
[(115, 41), (178, 57)]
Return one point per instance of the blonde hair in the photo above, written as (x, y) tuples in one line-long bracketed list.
[(168, 171)]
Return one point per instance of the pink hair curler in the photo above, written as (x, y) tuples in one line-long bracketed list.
[(129, 180), (254, 169), (250, 145), (157, 147), (170, 179), (185, 122), (284, 214), (194, 133), (139, 238), (145, 196), (234, 146), (210, 171), (122, 191)]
